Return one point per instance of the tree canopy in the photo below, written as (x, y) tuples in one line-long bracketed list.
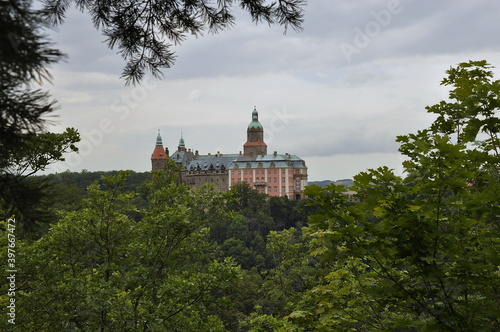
[(419, 253), (25, 145)]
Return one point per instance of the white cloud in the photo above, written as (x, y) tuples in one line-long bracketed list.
[(342, 116)]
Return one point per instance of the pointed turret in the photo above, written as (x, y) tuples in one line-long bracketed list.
[(159, 155), (158, 139), (182, 145)]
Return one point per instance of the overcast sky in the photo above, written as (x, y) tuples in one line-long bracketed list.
[(336, 94)]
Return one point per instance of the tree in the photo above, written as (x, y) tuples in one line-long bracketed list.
[(294, 271), (141, 29), (25, 145), (100, 270), (418, 253), (24, 55)]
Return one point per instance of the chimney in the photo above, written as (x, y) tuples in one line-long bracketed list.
[(275, 153)]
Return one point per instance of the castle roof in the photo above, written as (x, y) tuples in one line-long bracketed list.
[(255, 124), (158, 139), (269, 161), (256, 143), (159, 152), (182, 156), (212, 162), (181, 142)]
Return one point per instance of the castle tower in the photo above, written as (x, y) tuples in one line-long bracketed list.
[(182, 145), (159, 155), (255, 137)]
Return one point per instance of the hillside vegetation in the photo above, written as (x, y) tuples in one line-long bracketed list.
[(141, 252)]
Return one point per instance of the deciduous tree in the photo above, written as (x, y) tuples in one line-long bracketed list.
[(421, 252), (99, 269)]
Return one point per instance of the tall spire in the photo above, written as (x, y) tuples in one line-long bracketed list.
[(182, 145), (158, 139), (181, 142)]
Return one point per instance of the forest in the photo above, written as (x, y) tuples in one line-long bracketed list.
[(142, 252), (127, 251)]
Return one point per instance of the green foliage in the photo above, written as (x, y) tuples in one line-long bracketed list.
[(265, 323), (99, 269), (40, 151), (418, 253), (294, 271), (24, 55), (25, 146), (135, 181), (247, 201), (26, 198)]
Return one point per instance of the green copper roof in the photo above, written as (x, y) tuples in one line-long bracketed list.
[(158, 139), (255, 120), (181, 142)]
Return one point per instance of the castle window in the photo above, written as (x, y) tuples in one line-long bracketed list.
[(283, 189), (275, 171), (246, 172), (282, 171), (275, 189), (268, 171), (282, 179), (275, 179), (268, 189), (268, 179), (239, 172)]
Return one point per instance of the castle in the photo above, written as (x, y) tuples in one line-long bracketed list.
[(274, 174)]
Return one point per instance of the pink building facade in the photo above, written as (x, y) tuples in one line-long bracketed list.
[(273, 174)]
